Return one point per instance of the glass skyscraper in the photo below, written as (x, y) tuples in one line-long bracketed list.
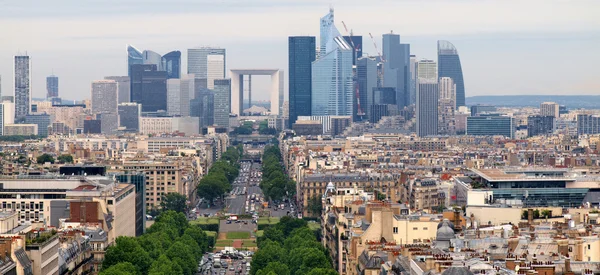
[(134, 56), (172, 64), (149, 87), (302, 52), (358, 44), (222, 102), (396, 69), (332, 85), (203, 107), (449, 66), (52, 86), (22, 87), (198, 60), (366, 74)]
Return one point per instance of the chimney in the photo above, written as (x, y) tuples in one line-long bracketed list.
[(568, 267), (530, 216)]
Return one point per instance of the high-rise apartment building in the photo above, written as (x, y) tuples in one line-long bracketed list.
[(104, 96), (366, 79), (129, 116), (149, 87), (540, 125), (332, 84), (550, 109), (123, 86), (22, 86), (449, 66), (205, 59), (396, 69), (51, 86), (301, 54), (222, 102)]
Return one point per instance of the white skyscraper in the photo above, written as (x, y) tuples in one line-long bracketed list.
[(198, 62), (215, 69), (174, 97), (104, 96)]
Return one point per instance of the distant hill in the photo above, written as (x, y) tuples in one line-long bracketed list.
[(571, 101)]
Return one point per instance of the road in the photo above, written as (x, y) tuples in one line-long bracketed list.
[(245, 188)]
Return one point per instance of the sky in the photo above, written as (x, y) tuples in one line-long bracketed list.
[(506, 46)]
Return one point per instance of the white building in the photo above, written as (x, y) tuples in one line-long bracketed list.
[(162, 125), (105, 96), (549, 109), (215, 69), (199, 59), (174, 97), (7, 114)]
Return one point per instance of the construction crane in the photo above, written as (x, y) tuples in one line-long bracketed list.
[(359, 111), (380, 57)]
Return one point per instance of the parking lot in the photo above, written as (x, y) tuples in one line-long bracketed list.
[(225, 263)]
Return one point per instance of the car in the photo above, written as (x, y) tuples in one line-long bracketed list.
[(231, 268), (228, 222)]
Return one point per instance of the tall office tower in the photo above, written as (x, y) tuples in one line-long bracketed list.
[(449, 66), (332, 85), (540, 125), (413, 78), (52, 86), (366, 79), (447, 106), (42, 121), (171, 63), (124, 87), (187, 93), (427, 108), (396, 69), (174, 97), (550, 109), (222, 102), (134, 56), (149, 87), (22, 86), (203, 107), (104, 96), (358, 44), (151, 57), (129, 116), (427, 69), (301, 54), (198, 63), (383, 95)]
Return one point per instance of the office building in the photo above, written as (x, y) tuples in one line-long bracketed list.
[(149, 87), (123, 87), (161, 179), (222, 102), (139, 181), (383, 95), (92, 126), (588, 124), (427, 108), (20, 129), (301, 54), (491, 125), (308, 127), (171, 63), (42, 121), (339, 124), (449, 66), (357, 41), (396, 71), (366, 79), (413, 79), (447, 106), (202, 107), (482, 109), (332, 84), (51, 86), (205, 59), (109, 122), (427, 69), (7, 114), (550, 109), (129, 116), (104, 96), (174, 97), (22, 87), (380, 110), (134, 56), (540, 125)]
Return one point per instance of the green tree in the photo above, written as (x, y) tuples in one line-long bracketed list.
[(381, 196), (180, 250), (270, 252), (164, 266), (314, 206), (124, 268), (322, 271), (546, 213), (275, 268), (44, 158), (65, 159), (127, 249), (174, 201)]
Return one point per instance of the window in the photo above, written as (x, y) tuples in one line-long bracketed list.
[(395, 230), (110, 202), (424, 228), (415, 228)]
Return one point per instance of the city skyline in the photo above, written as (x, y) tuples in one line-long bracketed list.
[(483, 36)]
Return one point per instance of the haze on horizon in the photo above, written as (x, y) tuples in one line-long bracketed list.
[(506, 47)]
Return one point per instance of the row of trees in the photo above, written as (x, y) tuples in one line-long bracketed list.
[(245, 129), (221, 174), (275, 184), (170, 246), (537, 214), (263, 128), (290, 248), (48, 158)]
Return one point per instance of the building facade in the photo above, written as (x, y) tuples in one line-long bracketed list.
[(171, 63), (366, 79), (105, 96), (427, 108), (51, 86), (198, 61), (540, 125), (491, 125), (123, 87), (550, 109), (301, 54), (449, 66), (42, 121), (149, 87), (396, 71), (222, 102), (22, 86), (129, 116)]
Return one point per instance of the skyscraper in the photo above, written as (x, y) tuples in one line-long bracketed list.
[(129, 116), (134, 56), (198, 63), (152, 57), (447, 106), (449, 66), (203, 107), (104, 96), (413, 78), (301, 54), (396, 68), (332, 85), (222, 102), (427, 98), (22, 86), (171, 63), (124, 87), (149, 87), (52, 86), (550, 109), (358, 44), (174, 97), (366, 75)]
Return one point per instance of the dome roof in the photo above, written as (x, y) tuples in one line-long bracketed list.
[(445, 232)]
